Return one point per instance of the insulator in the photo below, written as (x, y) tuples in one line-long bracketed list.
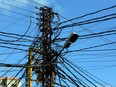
[(37, 23), (37, 13), (37, 19)]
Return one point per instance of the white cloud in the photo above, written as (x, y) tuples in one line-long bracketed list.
[(44, 2)]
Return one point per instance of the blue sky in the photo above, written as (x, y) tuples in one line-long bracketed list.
[(102, 64), (71, 9)]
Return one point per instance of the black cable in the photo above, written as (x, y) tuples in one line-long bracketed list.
[(15, 37), (92, 47), (60, 82), (2, 20), (67, 85), (14, 77), (19, 72), (14, 44), (24, 66), (14, 34), (98, 36), (94, 20), (15, 18), (104, 9), (12, 67), (93, 61), (9, 71), (14, 48), (100, 50), (103, 38), (20, 78), (36, 2), (16, 12), (84, 71), (9, 53), (80, 74), (23, 3), (22, 35), (104, 67), (59, 76), (71, 79), (13, 23), (17, 7), (18, 45), (104, 33), (79, 81)]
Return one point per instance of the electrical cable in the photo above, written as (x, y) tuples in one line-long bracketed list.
[(101, 10), (14, 34), (22, 35), (15, 37), (94, 20), (82, 77), (2, 20), (71, 79), (10, 53), (100, 50), (14, 48), (92, 47), (103, 38), (84, 71), (17, 7), (14, 77), (16, 18), (18, 45), (23, 58), (104, 33), (24, 3), (16, 12), (14, 44), (12, 67), (36, 2), (12, 23), (79, 81)]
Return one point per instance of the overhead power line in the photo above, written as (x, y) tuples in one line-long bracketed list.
[(10, 53), (14, 34), (16, 12), (86, 73), (105, 33), (91, 47), (17, 7), (16, 18), (21, 36), (14, 44), (101, 10), (90, 21), (23, 3), (8, 47), (36, 2)]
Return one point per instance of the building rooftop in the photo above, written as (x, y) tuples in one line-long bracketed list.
[(9, 78)]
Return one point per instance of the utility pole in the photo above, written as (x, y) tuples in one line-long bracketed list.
[(45, 74), (29, 70), (43, 53), (46, 40)]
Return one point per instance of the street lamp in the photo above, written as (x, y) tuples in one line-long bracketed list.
[(71, 39)]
